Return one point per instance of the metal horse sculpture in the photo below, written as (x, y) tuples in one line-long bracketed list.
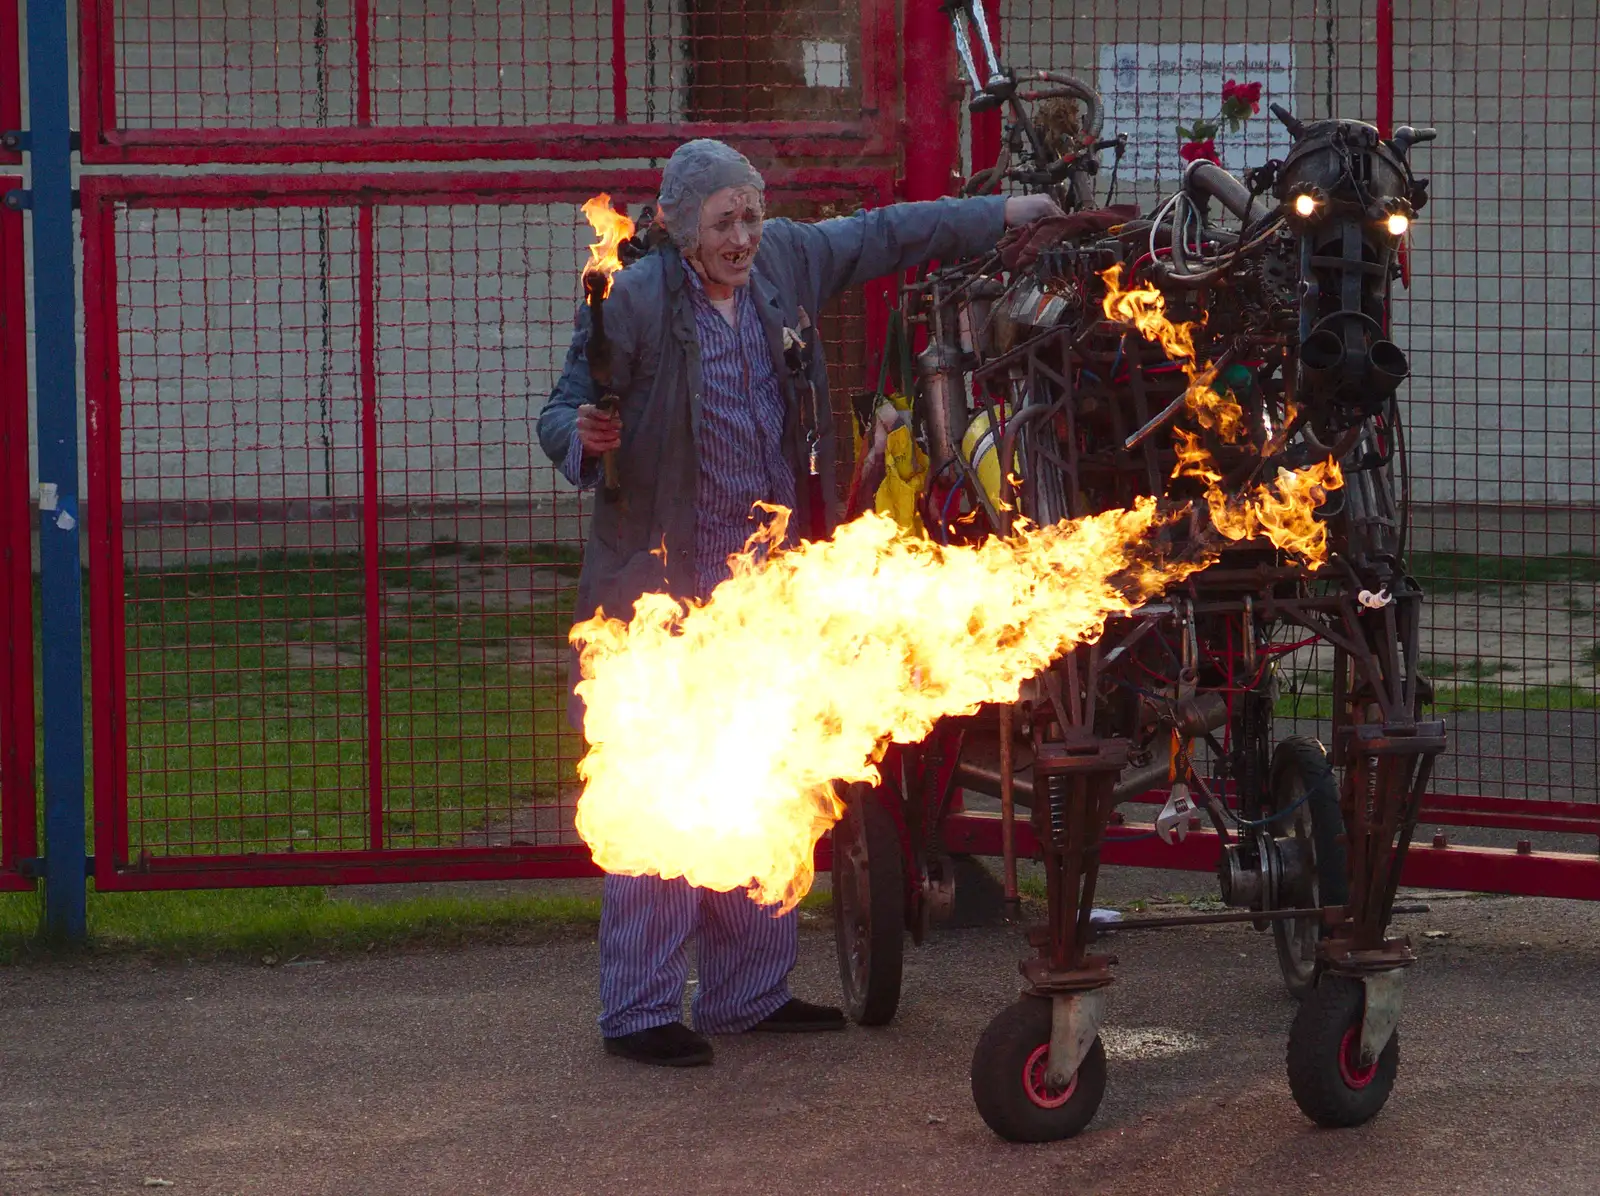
[(1028, 397)]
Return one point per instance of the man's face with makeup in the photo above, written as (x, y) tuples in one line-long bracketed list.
[(730, 231)]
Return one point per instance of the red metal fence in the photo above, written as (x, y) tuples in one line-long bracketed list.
[(328, 567), (423, 80), (17, 800), (330, 573)]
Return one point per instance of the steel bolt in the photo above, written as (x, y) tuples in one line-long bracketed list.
[(1524, 846), (1439, 840)]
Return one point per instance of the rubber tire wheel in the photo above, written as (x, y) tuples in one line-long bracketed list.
[(999, 1087), (1316, 1039), (1301, 758), (873, 923)]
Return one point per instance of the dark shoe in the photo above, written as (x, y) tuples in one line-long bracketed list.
[(672, 1045), (801, 1017)]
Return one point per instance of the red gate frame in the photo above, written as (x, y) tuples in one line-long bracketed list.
[(874, 134), (101, 196), (18, 800)]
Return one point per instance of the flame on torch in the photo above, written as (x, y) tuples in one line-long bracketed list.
[(613, 228)]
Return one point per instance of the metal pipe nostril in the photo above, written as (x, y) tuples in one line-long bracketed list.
[(1322, 351), (1387, 363)]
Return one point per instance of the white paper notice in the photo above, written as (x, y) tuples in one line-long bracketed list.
[(1151, 88)]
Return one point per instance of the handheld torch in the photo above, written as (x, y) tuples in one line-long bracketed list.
[(598, 354)]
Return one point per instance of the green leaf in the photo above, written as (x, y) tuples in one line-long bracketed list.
[(1186, 134)]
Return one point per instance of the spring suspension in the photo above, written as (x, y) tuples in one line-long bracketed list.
[(1056, 795)]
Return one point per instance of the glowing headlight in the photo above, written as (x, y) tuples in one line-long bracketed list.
[(1397, 224), (1305, 204)]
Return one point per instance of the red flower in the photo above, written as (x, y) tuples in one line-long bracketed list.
[(1194, 151), (1243, 93)]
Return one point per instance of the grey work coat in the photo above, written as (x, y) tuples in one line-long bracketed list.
[(656, 372)]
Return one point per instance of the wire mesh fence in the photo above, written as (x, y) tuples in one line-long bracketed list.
[(339, 573), (1501, 436)]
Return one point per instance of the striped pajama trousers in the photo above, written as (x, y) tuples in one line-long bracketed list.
[(744, 956)]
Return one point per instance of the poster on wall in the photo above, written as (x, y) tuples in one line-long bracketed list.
[(1151, 88)]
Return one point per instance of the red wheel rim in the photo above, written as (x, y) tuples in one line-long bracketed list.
[(1350, 1069), (1035, 1085)]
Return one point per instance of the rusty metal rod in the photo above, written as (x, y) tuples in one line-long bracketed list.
[(1008, 809), (1332, 912)]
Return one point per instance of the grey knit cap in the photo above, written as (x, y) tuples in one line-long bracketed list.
[(696, 171)]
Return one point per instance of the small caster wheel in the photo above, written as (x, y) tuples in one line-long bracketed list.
[(1008, 1078), (1325, 1073), (869, 908)]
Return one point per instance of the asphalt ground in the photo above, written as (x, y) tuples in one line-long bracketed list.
[(480, 1071)]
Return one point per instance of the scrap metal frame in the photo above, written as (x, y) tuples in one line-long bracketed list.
[(874, 133)]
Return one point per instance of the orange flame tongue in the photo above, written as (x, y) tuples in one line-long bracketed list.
[(1146, 309), (613, 228), (715, 733)]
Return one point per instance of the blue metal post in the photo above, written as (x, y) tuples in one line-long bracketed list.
[(55, 320)]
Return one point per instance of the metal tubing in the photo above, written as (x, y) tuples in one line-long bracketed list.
[(361, 16), (18, 825), (371, 534), (1008, 809), (56, 376), (1385, 80), (986, 126), (619, 61)]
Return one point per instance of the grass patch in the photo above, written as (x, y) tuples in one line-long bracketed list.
[(1476, 669), (277, 925), (1462, 697), (567, 558), (247, 687), (1467, 573)]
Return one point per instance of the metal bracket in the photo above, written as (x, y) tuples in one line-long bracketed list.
[(20, 199), (20, 141), (1381, 1014), (32, 867), (1074, 1022)]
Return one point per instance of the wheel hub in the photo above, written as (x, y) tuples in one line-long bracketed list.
[(1039, 1090), (1350, 1070)]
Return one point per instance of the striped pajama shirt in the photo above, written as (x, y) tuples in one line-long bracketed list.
[(744, 953)]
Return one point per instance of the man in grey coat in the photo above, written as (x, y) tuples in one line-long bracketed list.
[(710, 423)]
